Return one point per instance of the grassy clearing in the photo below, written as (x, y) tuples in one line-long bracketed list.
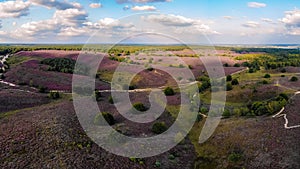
[(15, 60)]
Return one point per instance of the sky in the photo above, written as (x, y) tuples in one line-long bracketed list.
[(150, 21)]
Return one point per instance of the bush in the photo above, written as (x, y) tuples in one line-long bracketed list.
[(264, 82), (294, 79), (267, 76), (139, 106), (98, 120), (236, 65), (54, 95), (159, 127), (97, 95), (226, 113), (226, 65), (234, 82), (150, 68), (110, 100), (229, 87), (228, 78), (234, 157), (169, 91), (42, 89)]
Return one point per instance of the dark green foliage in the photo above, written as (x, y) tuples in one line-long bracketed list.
[(159, 127), (236, 65), (269, 107), (139, 106), (42, 89), (97, 95), (234, 82), (98, 120), (132, 87), (267, 76), (228, 78), (265, 82), (110, 100), (65, 65), (294, 79), (229, 87), (234, 157), (283, 96), (226, 113), (226, 65), (150, 68), (169, 91), (54, 95)]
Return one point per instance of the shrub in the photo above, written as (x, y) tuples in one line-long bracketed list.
[(159, 127), (150, 68), (169, 91), (226, 113), (267, 76), (234, 82), (97, 95), (203, 110), (54, 95), (139, 106), (284, 96), (294, 79), (98, 120), (42, 89), (236, 65), (110, 100), (228, 78), (229, 86), (265, 82), (226, 65), (234, 157)]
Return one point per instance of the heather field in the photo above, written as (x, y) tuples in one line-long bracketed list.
[(40, 128)]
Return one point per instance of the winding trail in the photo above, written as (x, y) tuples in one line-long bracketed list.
[(279, 114)]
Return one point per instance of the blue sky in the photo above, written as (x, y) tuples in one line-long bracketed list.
[(109, 21)]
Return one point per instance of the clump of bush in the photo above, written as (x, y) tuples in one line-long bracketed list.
[(98, 120), (226, 113), (54, 95), (159, 127), (294, 79), (269, 107), (234, 157), (228, 78), (169, 91), (267, 76), (234, 82), (229, 87), (110, 100), (139, 106)]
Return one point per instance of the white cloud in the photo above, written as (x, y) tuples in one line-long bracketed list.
[(228, 17), (14, 23), (14, 9), (143, 8), (141, 1), (251, 24), (181, 23), (171, 20), (267, 20), (292, 21), (61, 5), (0, 24), (95, 5), (70, 17), (256, 5)]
